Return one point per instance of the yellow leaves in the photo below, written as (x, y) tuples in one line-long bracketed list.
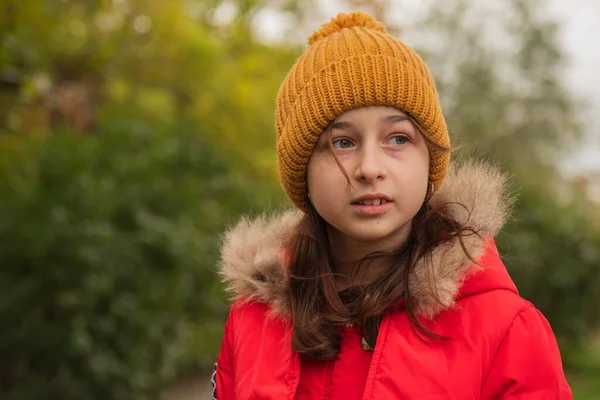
[(156, 103), (151, 101), (118, 90)]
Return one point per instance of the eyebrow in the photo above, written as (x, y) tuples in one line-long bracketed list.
[(389, 119), (343, 125), (393, 119)]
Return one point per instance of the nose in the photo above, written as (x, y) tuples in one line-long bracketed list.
[(370, 164)]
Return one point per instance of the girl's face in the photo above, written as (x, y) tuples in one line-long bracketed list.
[(387, 162)]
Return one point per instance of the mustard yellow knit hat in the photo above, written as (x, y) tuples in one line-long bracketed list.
[(351, 62)]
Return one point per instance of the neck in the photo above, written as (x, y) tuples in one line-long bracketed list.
[(348, 252)]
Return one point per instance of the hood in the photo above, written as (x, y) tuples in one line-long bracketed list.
[(253, 269)]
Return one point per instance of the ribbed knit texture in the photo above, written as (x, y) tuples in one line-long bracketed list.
[(351, 62)]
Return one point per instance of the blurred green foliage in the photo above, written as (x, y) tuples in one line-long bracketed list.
[(133, 132), (108, 249), (131, 135)]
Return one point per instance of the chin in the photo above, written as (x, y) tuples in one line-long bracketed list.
[(370, 238), (372, 231)]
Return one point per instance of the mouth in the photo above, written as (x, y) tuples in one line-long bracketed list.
[(373, 199), (373, 204)]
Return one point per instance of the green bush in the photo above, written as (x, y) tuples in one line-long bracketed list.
[(108, 247)]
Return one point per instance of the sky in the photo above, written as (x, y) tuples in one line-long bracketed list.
[(581, 40), (579, 37)]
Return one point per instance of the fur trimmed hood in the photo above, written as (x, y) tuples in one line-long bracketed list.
[(251, 255)]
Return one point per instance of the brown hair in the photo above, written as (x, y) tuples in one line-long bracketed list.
[(317, 307)]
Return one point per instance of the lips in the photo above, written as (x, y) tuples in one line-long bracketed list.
[(372, 199), (372, 204)]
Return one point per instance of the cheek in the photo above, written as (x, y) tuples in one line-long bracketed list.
[(323, 176), (317, 183), (312, 174), (421, 164), (412, 180), (326, 188)]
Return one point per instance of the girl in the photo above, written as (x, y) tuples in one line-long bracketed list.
[(387, 283)]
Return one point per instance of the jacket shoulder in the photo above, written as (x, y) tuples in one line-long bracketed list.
[(493, 311), (527, 362), (249, 318)]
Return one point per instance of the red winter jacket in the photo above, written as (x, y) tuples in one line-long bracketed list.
[(500, 346)]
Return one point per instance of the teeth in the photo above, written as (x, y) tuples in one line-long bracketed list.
[(374, 202)]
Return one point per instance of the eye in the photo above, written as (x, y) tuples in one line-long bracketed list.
[(341, 143), (398, 140)]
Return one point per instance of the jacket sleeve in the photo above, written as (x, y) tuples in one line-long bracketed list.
[(528, 364), (224, 376)]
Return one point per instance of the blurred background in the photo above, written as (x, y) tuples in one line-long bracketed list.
[(132, 132)]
